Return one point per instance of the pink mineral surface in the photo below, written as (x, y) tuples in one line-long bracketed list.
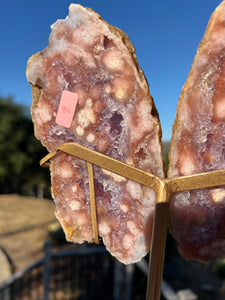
[(115, 115), (198, 145)]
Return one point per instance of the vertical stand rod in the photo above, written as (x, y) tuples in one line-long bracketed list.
[(157, 254)]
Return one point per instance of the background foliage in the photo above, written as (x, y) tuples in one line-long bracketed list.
[(20, 153)]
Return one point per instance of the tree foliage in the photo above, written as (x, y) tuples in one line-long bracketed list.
[(20, 152)]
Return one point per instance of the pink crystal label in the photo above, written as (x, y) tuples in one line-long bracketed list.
[(67, 106)]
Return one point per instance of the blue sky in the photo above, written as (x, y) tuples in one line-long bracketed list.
[(165, 34)]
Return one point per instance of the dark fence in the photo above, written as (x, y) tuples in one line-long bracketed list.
[(84, 273)]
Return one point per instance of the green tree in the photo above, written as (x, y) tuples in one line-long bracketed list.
[(20, 152), (166, 147)]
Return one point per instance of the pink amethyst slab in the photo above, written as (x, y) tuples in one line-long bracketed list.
[(114, 115), (197, 217)]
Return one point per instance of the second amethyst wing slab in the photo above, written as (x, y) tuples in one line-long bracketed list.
[(197, 217)]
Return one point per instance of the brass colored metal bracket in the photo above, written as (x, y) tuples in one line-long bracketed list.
[(163, 187), (92, 203)]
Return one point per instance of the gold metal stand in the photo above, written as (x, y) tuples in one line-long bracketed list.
[(163, 187)]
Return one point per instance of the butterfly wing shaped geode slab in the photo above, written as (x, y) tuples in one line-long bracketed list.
[(115, 115), (197, 218)]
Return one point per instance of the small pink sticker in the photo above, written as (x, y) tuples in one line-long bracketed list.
[(67, 106)]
